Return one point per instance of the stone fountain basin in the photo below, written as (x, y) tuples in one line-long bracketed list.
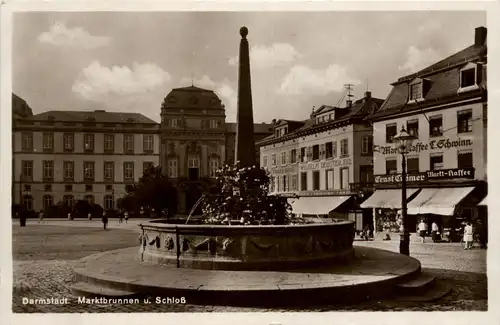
[(262, 247)]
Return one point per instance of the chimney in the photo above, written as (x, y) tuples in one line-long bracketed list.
[(348, 103), (480, 36), (368, 94), (274, 121)]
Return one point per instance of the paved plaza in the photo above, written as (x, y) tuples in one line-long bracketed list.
[(45, 253)]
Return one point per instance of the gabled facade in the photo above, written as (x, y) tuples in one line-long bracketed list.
[(444, 107)]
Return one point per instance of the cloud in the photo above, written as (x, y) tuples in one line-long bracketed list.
[(60, 35), (263, 57), (98, 82), (302, 80), (418, 59)]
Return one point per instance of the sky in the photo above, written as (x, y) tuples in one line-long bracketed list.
[(129, 62)]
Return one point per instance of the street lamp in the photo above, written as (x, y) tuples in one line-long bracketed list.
[(403, 141)]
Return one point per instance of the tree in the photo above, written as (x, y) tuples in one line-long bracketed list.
[(243, 194), (154, 190)]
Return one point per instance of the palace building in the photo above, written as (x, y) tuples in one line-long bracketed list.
[(444, 107), (196, 140), (65, 156), (324, 164)]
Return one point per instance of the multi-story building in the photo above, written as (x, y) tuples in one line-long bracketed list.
[(65, 156), (444, 107), (195, 141), (325, 160)]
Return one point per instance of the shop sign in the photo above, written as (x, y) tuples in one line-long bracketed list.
[(326, 164), (430, 175), (421, 146), (284, 170)]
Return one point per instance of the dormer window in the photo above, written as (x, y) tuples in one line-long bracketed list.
[(470, 77), (416, 91)]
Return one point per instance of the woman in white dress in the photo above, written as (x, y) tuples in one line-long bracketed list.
[(468, 235)]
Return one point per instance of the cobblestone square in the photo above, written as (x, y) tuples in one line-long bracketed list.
[(44, 254)]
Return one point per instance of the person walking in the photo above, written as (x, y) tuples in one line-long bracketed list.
[(468, 235), (104, 219), (40, 217), (435, 231), (422, 229), (126, 216), (89, 216)]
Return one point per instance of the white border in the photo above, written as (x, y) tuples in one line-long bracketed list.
[(455, 318)]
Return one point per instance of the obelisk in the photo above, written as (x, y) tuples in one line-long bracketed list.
[(245, 141)]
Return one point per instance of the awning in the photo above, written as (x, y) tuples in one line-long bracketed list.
[(440, 201), (316, 205), (484, 201), (387, 199)]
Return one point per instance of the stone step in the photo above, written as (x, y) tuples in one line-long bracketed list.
[(92, 290), (416, 285), (437, 290)]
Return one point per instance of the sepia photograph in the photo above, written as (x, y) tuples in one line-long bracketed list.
[(248, 161)]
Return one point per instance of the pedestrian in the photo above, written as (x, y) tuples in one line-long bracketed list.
[(126, 216), (104, 219), (69, 216), (366, 232), (22, 218), (435, 231), (40, 216), (422, 228), (468, 235), (120, 217), (481, 232), (89, 216)]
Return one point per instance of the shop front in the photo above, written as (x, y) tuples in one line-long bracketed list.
[(316, 208)]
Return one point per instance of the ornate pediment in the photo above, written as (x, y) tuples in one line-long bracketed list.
[(193, 148)]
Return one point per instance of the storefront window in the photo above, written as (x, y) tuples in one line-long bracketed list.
[(412, 164), (391, 166), (437, 162), (465, 159), (303, 181), (315, 180)]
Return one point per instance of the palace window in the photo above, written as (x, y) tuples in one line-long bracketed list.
[(344, 147), (367, 145), (109, 170), (146, 165), (391, 166), (412, 164), (214, 166), (412, 127), (47, 201), (278, 184), (48, 142), (68, 170), (68, 200), (436, 161), (89, 199), (128, 143), (27, 169), (172, 168), (68, 142), (329, 179), (271, 184), (390, 131), (88, 142), (264, 161), (436, 126), (303, 181), (273, 159), (344, 178), (293, 156), (285, 189), (465, 159), (27, 141), (283, 158), (193, 167), (88, 170), (109, 142), (108, 202), (28, 202), (315, 150), (128, 170), (464, 121), (147, 142), (48, 169), (315, 175)]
